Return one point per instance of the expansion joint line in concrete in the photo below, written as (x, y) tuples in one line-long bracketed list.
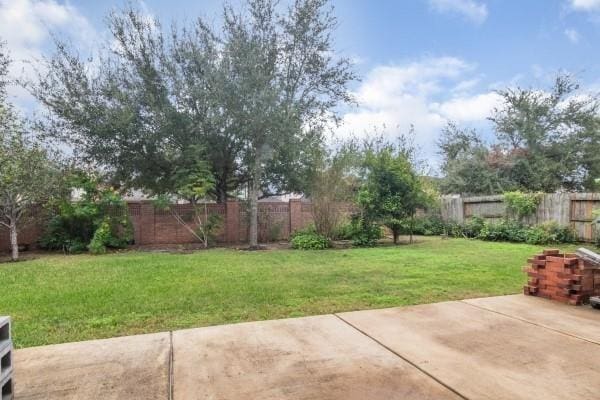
[(171, 369), (450, 388), (532, 323)]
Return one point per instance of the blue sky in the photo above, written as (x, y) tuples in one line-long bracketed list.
[(422, 62)]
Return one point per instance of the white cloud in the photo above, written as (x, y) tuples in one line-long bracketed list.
[(474, 11), (572, 35), (426, 93), (25, 26), (585, 5)]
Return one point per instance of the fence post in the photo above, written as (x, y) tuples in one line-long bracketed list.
[(232, 221), (295, 215)]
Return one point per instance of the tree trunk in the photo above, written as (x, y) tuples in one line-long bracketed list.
[(14, 243), (253, 203), (412, 220), (395, 233)]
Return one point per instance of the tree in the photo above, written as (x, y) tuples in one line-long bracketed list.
[(138, 108), (546, 140), (468, 165), (194, 183), (332, 183), (28, 177), (27, 173), (392, 191), (256, 96), (541, 132), (287, 84)]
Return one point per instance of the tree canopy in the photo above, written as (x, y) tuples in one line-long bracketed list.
[(546, 140)]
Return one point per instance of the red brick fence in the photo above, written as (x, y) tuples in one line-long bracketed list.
[(276, 221)]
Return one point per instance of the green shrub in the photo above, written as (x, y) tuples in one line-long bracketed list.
[(550, 233), (366, 233), (473, 227), (512, 231), (345, 231), (504, 231), (75, 223), (101, 238), (309, 241), (429, 225)]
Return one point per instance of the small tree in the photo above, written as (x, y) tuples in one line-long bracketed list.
[(332, 184), (392, 192), (28, 176), (193, 183)]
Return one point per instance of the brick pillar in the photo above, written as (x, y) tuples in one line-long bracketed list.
[(146, 223), (232, 221), (295, 215)]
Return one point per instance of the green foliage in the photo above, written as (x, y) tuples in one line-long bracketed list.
[(550, 233), (546, 140), (513, 231), (392, 191), (309, 241), (506, 230), (100, 239), (344, 231), (98, 220), (522, 204), (30, 175), (209, 228), (503, 231), (365, 232)]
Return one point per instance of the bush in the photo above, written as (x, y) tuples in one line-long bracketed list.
[(309, 241), (504, 231), (473, 227), (430, 225), (75, 224), (511, 231), (100, 239), (345, 231), (549, 233), (366, 233)]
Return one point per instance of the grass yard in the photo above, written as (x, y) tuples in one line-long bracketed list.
[(58, 298)]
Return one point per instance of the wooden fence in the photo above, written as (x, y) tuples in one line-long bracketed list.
[(567, 209)]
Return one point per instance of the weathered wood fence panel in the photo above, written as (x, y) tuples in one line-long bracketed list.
[(567, 209)]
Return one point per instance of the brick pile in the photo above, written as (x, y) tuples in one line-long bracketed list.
[(562, 277)]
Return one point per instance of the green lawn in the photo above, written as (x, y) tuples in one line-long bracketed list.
[(59, 298)]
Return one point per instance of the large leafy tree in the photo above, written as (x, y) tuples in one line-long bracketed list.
[(547, 140), (255, 96), (287, 83), (542, 133), (141, 106), (467, 164)]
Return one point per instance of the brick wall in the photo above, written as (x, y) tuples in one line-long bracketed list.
[(276, 221)]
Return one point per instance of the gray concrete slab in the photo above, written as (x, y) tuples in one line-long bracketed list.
[(582, 322), (485, 355), (305, 358), (133, 367)]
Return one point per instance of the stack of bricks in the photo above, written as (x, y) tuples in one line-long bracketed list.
[(6, 361), (562, 277)]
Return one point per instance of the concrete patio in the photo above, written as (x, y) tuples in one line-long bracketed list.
[(509, 347)]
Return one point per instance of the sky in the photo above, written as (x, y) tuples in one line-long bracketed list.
[(421, 62)]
